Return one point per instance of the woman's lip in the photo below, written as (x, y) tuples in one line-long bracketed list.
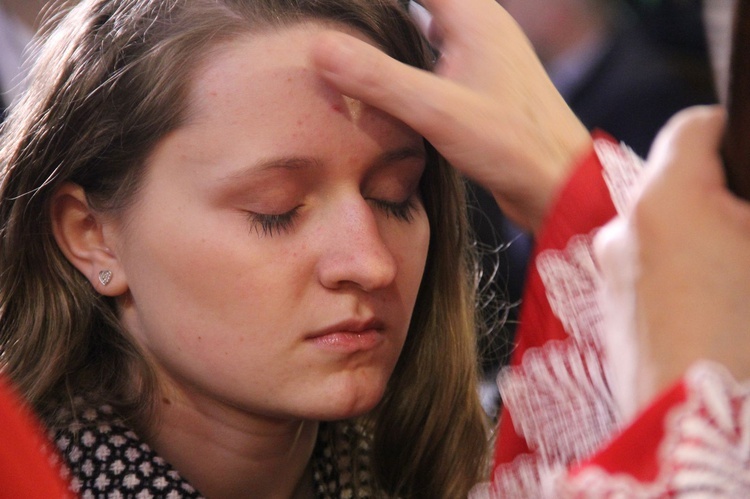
[(349, 341), (349, 326)]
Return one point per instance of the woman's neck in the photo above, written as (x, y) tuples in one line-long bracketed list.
[(225, 454)]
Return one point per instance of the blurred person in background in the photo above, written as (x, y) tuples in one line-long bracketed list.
[(609, 67)]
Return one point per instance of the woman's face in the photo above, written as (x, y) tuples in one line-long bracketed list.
[(274, 254)]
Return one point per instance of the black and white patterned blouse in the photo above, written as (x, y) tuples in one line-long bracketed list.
[(106, 460)]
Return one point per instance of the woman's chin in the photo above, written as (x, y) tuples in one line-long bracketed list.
[(349, 404)]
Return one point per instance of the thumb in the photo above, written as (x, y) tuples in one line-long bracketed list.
[(690, 142)]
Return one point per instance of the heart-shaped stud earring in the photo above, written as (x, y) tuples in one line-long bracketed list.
[(105, 276)]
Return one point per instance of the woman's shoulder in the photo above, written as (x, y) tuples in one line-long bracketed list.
[(104, 456)]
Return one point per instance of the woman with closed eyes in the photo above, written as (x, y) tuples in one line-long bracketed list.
[(222, 277)]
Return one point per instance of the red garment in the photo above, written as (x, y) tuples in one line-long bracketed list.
[(567, 440), (537, 323), (26, 468)]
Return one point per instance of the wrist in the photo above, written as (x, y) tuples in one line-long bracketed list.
[(564, 155)]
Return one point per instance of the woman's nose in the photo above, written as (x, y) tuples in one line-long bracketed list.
[(353, 250)]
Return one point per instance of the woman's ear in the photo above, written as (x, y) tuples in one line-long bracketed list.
[(79, 233)]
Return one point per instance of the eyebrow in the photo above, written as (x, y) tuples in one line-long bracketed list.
[(290, 163), (403, 153), (294, 163)]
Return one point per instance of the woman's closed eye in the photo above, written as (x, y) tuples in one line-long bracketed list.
[(403, 210), (271, 224), (268, 224)]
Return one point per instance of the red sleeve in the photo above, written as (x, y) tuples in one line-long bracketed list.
[(25, 454), (582, 205)]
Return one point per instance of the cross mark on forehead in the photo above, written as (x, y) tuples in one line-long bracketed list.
[(351, 108)]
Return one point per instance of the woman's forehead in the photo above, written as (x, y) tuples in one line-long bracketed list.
[(267, 80), (267, 69), (258, 97)]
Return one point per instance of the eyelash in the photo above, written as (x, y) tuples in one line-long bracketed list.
[(403, 211), (268, 225)]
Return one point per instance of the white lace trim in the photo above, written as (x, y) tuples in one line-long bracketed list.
[(571, 281), (705, 452), (621, 171), (525, 477), (564, 386), (559, 394)]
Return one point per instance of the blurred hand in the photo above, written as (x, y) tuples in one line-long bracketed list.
[(677, 269), (489, 106)]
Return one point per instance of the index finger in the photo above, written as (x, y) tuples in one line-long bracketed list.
[(417, 97)]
